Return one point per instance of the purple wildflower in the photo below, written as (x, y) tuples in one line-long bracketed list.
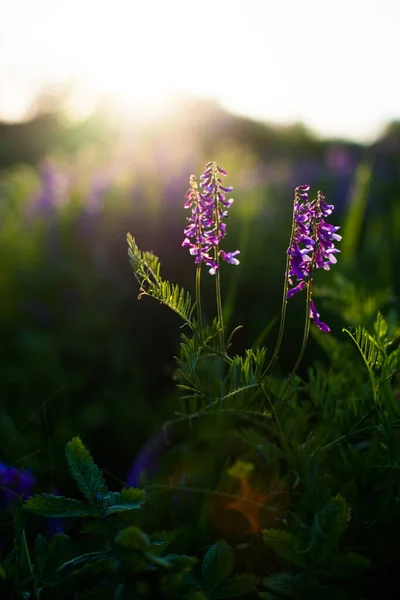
[(312, 244), (302, 242), (15, 482), (325, 235), (209, 205)]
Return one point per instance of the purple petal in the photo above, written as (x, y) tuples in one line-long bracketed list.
[(229, 257), (227, 203), (295, 290), (315, 315)]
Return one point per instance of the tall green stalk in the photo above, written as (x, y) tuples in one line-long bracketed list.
[(305, 339), (198, 302), (218, 279), (219, 302), (284, 303)]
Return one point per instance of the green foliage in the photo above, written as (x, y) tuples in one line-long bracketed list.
[(51, 506), (354, 220), (300, 475), (87, 475), (146, 268), (125, 559), (217, 564), (217, 569), (380, 362), (353, 301), (327, 439)]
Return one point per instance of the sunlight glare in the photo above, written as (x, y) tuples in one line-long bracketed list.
[(275, 61)]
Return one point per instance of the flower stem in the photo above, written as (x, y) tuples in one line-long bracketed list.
[(218, 277), (274, 416), (198, 302), (219, 304), (284, 303), (304, 344)]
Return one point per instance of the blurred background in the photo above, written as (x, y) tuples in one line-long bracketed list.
[(106, 109)]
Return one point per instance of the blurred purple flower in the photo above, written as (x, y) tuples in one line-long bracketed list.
[(15, 482), (54, 190), (147, 459), (339, 160), (100, 185)]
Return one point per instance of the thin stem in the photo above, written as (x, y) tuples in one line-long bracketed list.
[(284, 303), (198, 301), (305, 339), (274, 416), (213, 352), (253, 417), (218, 277), (219, 304)]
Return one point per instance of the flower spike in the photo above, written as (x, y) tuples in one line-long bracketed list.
[(209, 207), (312, 244)]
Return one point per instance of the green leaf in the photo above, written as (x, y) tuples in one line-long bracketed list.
[(87, 475), (118, 508), (3, 572), (371, 354), (281, 583), (160, 540), (234, 587), (217, 564), (344, 565), (328, 526), (83, 562), (176, 562), (50, 556), (284, 544), (146, 268), (380, 328), (58, 506), (9, 567), (126, 500), (132, 538)]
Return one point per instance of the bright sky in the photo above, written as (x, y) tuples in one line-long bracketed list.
[(332, 64)]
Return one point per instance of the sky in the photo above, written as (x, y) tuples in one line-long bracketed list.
[(330, 64)]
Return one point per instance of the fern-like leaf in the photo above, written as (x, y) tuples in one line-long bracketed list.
[(371, 353), (146, 268)]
